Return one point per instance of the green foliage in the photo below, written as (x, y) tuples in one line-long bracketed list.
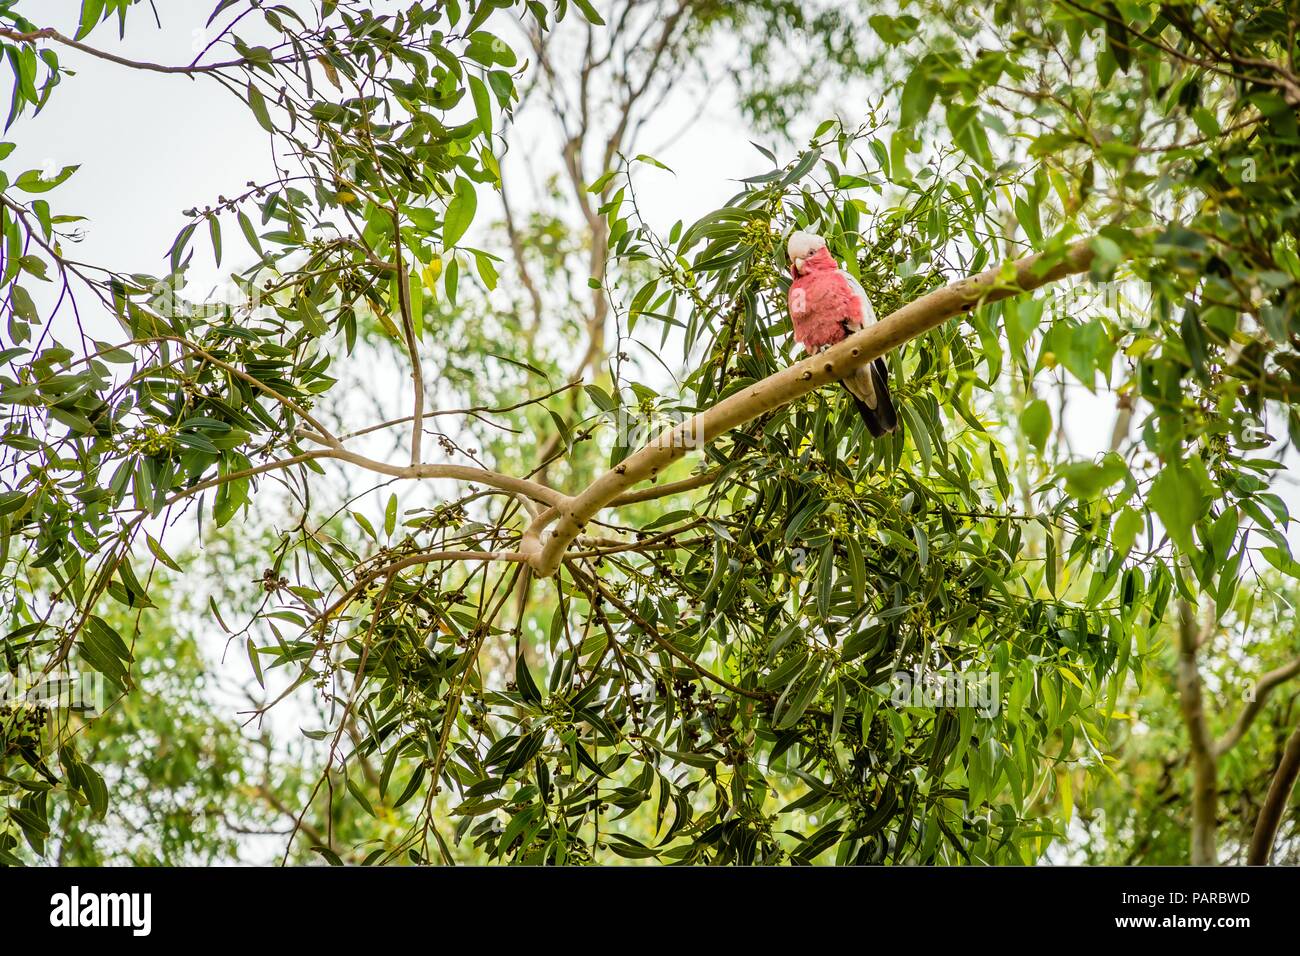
[(156, 778), (713, 674)]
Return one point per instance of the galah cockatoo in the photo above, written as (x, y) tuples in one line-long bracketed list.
[(827, 304)]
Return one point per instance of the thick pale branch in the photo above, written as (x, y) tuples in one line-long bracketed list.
[(785, 386)]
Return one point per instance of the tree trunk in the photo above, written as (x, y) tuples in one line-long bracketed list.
[(1205, 770), (1279, 792)]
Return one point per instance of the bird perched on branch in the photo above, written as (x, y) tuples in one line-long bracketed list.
[(826, 305)]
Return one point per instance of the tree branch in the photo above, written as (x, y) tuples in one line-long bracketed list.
[(1279, 792), (518, 486), (663, 491), (1263, 687), (49, 33)]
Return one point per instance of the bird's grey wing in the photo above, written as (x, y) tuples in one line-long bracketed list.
[(868, 313)]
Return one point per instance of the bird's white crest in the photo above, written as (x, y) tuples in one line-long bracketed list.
[(800, 246)]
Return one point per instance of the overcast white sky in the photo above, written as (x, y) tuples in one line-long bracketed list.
[(160, 144)]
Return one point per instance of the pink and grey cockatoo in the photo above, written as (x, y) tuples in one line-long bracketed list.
[(826, 305)]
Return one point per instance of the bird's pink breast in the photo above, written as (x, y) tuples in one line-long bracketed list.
[(821, 303)]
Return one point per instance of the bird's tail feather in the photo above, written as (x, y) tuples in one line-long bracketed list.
[(885, 410), (869, 416), (882, 419)]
